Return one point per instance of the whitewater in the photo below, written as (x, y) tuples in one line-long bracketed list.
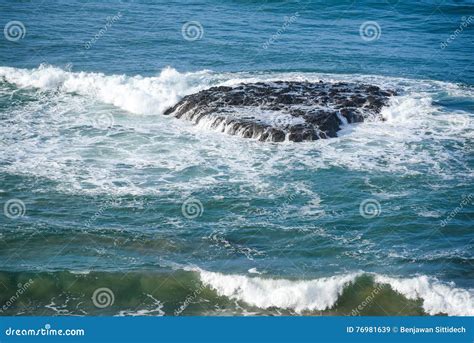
[(289, 212)]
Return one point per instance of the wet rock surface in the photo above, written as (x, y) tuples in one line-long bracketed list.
[(275, 111)]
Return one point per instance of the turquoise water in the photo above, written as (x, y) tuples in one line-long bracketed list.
[(99, 190)]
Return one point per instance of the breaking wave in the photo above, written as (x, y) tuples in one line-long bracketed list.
[(76, 115), (194, 291), (320, 294), (323, 293), (135, 94)]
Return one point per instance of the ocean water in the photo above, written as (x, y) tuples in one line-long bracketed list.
[(111, 208)]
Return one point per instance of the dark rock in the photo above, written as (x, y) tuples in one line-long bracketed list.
[(275, 111)]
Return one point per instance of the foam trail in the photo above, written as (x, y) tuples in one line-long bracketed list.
[(437, 297), (156, 309), (318, 294), (137, 94)]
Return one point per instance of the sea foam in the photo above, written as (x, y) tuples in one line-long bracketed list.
[(62, 140), (323, 293), (135, 94), (318, 294), (437, 297)]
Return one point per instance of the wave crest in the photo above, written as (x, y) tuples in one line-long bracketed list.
[(323, 293), (319, 294), (437, 297), (135, 94)]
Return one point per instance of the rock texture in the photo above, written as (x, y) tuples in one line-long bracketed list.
[(275, 111)]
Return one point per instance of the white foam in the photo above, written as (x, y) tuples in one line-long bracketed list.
[(438, 297), (318, 294), (45, 138), (155, 309), (407, 107), (136, 94), (80, 272), (323, 293), (254, 271), (268, 117)]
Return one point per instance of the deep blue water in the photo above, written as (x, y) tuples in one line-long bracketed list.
[(95, 182), (324, 38)]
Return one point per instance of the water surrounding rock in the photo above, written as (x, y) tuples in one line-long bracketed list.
[(275, 111)]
